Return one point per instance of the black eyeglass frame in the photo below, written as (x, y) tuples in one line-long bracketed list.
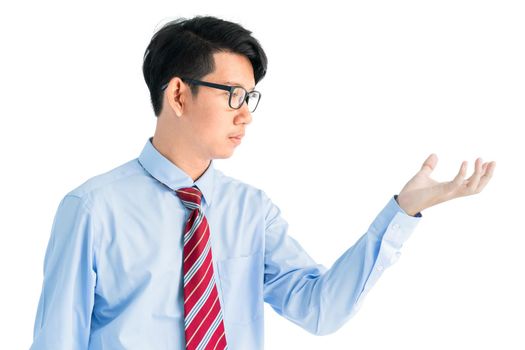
[(228, 88)]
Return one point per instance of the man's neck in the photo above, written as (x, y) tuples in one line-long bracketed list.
[(175, 154)]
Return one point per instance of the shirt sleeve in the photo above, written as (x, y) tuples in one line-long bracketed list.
[(318, 299), (63, 316)]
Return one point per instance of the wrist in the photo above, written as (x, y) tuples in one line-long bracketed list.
[(403, 204)]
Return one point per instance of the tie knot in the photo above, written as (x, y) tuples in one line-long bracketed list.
[(190, 197)]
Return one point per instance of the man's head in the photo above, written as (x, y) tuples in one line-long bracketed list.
[(211, 50)]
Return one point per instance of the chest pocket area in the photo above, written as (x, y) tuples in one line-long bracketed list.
[(241, 283)]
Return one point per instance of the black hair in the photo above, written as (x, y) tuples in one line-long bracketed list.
[(185, 47)]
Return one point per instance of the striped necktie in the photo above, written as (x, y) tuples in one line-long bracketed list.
[(204, 328)]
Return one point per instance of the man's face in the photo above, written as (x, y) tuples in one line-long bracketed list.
[(211, 122)]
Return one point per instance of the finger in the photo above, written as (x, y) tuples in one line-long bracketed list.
[(484, 170), (478, 166), (459, 179), (473, 180), (429, 164), (487, 176)]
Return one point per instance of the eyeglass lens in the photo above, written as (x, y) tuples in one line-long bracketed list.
[(239, 95)]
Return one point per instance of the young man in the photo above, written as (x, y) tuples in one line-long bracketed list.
[(167, 252)]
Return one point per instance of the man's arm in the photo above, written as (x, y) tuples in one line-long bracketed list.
[(63, 318), (321, 300)]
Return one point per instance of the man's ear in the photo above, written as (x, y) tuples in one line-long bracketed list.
[(176, 95)]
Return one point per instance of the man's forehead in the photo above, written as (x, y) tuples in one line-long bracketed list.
[(233, 69)]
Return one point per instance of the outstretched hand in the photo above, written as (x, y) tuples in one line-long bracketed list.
[(422, 192)]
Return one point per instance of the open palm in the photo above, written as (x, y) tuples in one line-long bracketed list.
[(422, 192)]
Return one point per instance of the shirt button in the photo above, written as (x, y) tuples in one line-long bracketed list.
[(395, 226)]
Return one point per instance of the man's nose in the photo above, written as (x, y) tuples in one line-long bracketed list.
[(244, 116)]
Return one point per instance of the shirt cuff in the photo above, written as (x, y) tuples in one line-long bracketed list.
[(393, 225)]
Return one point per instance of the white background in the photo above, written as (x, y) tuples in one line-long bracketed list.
[(357, 95)]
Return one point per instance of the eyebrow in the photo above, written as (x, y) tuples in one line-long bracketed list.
[(235, 83)]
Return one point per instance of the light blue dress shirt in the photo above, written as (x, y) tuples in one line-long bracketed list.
[(113, 272)]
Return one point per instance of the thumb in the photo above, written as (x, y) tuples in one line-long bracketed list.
[(430, 164)]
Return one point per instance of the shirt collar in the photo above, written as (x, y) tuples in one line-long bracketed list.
[(166, 172)]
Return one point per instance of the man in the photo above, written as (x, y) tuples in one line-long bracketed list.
[(167, 252)]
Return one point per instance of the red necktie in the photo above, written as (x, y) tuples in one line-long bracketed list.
[(204, 328)]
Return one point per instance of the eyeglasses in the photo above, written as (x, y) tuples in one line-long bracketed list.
[(237, 94)]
